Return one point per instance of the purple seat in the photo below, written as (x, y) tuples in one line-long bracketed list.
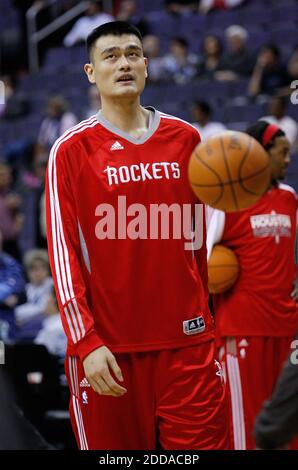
[(57, 57), (258, 38), (211, 89), (176, 109), (285, 12), (154, 5), (286, 34), (247, 113), (256, 14), (239, 87), (223, 18)]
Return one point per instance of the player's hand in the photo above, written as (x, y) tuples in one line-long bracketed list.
[(98, 366), (294, 293)]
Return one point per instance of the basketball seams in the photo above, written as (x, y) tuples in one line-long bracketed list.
[(245, 178), (241, 180), (220, 185), (228, 173)]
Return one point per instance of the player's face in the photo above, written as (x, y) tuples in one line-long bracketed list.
[(279, 157), (118, 66)]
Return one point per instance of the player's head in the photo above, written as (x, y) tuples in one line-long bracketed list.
[(277, 106), (36, 263), (274, 141), (201, 111), (117, 63)]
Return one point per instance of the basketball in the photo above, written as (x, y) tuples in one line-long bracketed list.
[(229, 171), (223, 269)]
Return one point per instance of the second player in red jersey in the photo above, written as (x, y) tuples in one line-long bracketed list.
[(257, 318)]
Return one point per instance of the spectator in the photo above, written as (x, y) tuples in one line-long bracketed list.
[(269, 75), (278, 116), (52, 335), (40, 283), (208, 5), (11, 218), (293, 64), (239, 60), (202, 113), (94, 17), (181, 7), (15, 105), (179, 64), (58, 120), (129, 12), (210, 60), (11, 289), (151, 47)]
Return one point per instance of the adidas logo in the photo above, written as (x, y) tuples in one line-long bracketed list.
[(84, 383), (116, 146)]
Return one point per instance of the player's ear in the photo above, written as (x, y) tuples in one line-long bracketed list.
[(89, 70)]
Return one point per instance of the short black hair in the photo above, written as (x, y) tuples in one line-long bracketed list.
[(272, 48), (115, 28), (181, 41), (257, 131), (204, 106)]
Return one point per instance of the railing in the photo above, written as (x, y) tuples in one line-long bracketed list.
[(34, 36)]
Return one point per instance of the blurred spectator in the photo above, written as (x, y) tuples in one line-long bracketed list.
[(11, 218), (15, 105), (210, 60), (293, 64), (180, 65), (40, 283), (239, 60), (94, 102), (58, 120), (181, 7), (151, 47), (12, 285), (52, 335), (208, 5), (94, 17), (278, 116), (202, 113), (269, 75), (33, 172), (31, 186), (129, 12)]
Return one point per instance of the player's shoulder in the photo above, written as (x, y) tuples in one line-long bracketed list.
[(179, 123), (287, 189), (74, 134)]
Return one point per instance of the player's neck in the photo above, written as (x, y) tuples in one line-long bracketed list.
[(129, 117)]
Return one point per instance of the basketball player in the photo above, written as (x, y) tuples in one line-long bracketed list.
[(257, 318), (141, 360)]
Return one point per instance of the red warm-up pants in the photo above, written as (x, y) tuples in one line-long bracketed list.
[(252, 366), (175, 400)]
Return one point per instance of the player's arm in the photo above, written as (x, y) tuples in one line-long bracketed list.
[(215, 228), (64, 255)]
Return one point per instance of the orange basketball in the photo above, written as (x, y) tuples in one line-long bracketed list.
[(229, 171), (223, 269)]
